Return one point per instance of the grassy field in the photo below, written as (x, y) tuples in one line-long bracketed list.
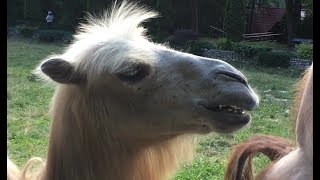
[(28, 121)]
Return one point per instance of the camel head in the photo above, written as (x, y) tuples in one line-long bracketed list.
[(144, 89)]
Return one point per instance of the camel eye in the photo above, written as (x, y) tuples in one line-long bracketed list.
[(135, 73)]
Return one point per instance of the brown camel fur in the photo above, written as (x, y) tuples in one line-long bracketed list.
[(288, 161)]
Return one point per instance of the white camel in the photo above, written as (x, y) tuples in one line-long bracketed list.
[(127, 108)]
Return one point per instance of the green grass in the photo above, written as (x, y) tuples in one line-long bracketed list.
[(27, 101), (28, 122)]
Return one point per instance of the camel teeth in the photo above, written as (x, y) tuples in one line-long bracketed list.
[(231, 109)]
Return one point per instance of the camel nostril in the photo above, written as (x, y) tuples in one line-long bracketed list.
[(235, 76)]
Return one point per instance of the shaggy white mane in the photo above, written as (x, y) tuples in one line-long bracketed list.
[(98, 42), (122, 20)]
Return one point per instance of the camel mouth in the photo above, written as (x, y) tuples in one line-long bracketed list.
[(227, 109), (227, 118)]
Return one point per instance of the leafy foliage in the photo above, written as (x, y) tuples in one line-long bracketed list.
[(272, 3), (281, 27), (308, 4), (246, 49), (305, 50), (26, 31), (223, 43), (274, 59), (54, 36), (197, 47), (181, 36)]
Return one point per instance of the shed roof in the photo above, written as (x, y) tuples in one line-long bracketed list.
[(264, 18)]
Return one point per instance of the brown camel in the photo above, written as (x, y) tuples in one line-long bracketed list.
[(288, 161)]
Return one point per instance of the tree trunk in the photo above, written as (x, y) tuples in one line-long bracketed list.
[(293, 9), (70, 14), (88, 5), (289, 7), (194, 9), (25, 9), (251, 13), (296, 15)]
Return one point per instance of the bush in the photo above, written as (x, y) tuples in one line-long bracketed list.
[(265, 44), (54, 36), (197, 47), (181, 36), (248, 50), (26, 31), (161, 37), (223, 44), (280, 26), (274, 59), (305, 50)]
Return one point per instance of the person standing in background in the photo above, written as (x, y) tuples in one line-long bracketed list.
[(49, 19)]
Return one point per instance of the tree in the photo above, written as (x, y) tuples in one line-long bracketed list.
[(293, 10), (271, 3), (194, 9), (71, 12), (14, 11), (305, 27), (167, 16), (25, 9), (235, 20), (308, 4)]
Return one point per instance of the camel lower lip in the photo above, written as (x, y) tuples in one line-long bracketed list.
[(228, 119), (228, 122)]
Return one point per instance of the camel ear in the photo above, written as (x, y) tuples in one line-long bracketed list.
[(61, 71)]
